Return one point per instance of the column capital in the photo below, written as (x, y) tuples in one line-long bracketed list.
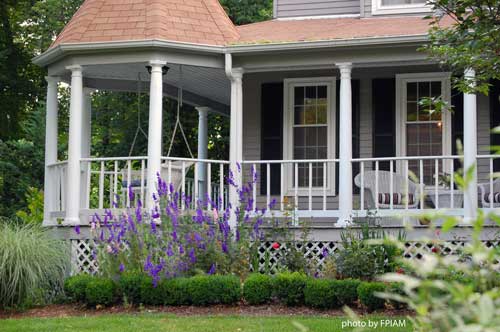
[(52, 79), (202, 110), (345, 69), (74, 68), (157, 63), (237, 73)]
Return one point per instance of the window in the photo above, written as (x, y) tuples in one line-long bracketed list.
[(421, 132), (381, 7), (309, 133)]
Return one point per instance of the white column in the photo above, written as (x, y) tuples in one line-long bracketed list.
[(470, 150), (86, 141), (51, 133), (155, 129), (73, 174), (202, 148), (345, 153), (236, 136)]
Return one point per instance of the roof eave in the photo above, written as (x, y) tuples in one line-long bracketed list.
[(59, 51)]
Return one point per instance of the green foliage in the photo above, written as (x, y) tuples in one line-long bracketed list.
[(34, 215), (248, 11), (175, 291), (32, 265), (258, 289), (130, 284), (346, 291), (76, 286), (320, 293), (472, 41), (100, 291), (367, 294), (289, 288), (216, 289), (151, 293)]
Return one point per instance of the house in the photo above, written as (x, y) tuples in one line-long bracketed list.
[(324, 103)]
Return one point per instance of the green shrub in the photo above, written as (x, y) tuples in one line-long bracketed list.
[(32, 265), (215, 289), (258, 289), (149, 293), (396, 288), (175, 291), (75, 287), (289, 288), (346, 291), (320, 293), (367, 297), (130, 286), (100, 291)]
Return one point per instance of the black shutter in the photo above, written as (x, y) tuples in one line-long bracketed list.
[(495, 118), (271, 134), (457, 124), (355, 128), (384, 118)]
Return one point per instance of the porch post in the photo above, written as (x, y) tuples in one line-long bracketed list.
[(73, 179), (51, 133), (236, 138), (155, 129), (470, 150), (86, 140), (345, 153), (202, 149)]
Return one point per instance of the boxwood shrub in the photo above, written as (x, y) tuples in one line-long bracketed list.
[(100, 291), (130, 286), (151, 294), (346, 291), (75, 287), (258, 289), (367, 297), (175, 291), (289, 288), (215, 289), (320, 293)]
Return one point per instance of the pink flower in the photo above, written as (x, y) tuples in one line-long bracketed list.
[(435, 250), (276, 245), (109, 249), (216, 214)]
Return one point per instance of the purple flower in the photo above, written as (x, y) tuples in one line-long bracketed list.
[(77, 229), (212, 269), (181, 249), (131, 194), (325, 252), (192, 256), (122, 267)]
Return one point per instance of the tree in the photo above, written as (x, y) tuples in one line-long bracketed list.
[(248, 11), (471, 41)]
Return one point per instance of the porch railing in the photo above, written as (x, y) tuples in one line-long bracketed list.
[(56, 173)]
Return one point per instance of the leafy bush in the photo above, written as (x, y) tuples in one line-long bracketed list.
[(34, 213), (100, 291), (32, 265), (367, 296), (130, 284), (216, 289), (258, 289), (346, 291), (289, 288), (151, 293), (320, 293), (397, 289), (175, 291), (76, 286)]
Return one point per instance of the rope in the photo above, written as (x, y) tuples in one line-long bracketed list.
[(139, 127)]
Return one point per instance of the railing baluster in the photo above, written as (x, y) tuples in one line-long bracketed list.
[(391, 184), (268, 184), (376, 184), (436, 180), (310, 185), (209, 185), (282, 185), (406, 184), (296, 178), (254, 189), (362, 185), (325, 175), (89, 170), (421, 178), (129, 181), (196, 183), (183, 179), (491, 195), (221, 186), (115, 180), (101, 186), (169, 173), (143, 167), (452, 184)]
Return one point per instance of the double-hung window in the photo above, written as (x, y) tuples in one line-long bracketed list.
[(383, 7)]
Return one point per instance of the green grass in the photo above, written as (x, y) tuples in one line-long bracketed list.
[(172, 323)]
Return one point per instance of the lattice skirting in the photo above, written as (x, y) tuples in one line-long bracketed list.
[(82, 260)]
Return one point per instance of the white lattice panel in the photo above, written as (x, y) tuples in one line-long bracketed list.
[(82, 259)]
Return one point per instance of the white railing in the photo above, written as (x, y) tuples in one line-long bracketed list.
[(489, 191), (395, 183), (56, 173), (306, 187)]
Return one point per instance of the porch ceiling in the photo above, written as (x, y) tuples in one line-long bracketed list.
[(202, 86)]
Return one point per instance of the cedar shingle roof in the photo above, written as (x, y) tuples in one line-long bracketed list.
[(205, 22)]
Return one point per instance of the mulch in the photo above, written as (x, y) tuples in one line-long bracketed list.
[(74, 310)]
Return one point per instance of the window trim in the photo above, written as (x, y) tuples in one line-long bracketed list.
[(288, 118), (401, 113), (379, 9)]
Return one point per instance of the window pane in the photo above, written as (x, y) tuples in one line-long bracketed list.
[(401, 2), (322, 93), (299, 138), (435, 89), (310, 115), (310, 95), (424, 139), (299, 115), (321, 116), (411, 111), (424, 89), (411, 91), (299, 95)]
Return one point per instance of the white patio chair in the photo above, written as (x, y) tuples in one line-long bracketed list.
[(487, 195), (384, 190)]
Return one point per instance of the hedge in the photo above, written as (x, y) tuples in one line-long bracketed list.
[(290, 288), (100, 291), (205, 290), (258, 289), (75, 287), (367, 295)]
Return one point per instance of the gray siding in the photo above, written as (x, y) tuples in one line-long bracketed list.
[(295, 8)]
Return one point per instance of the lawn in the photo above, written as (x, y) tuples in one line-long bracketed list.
[(172, 323)]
